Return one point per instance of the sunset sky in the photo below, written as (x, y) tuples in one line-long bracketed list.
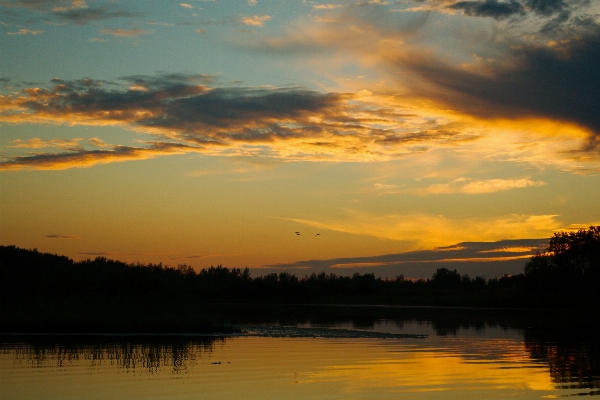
[(396, 137)]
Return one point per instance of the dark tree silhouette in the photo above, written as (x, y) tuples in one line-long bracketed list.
[(445, 279), (570, 265)]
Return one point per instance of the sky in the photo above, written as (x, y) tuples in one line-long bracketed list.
[(386, 137)]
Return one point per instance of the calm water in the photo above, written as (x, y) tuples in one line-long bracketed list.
[(307, 358)]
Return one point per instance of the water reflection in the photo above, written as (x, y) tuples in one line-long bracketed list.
[(400, 351), (573, 363), (130, 353)]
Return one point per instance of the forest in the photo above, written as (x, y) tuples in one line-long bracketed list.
[(52, 292)]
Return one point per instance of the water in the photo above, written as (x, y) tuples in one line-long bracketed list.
[(300, 356)]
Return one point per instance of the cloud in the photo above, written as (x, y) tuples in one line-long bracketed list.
[(468, 186), (384, 186), (36, 143), (24, 31), (125, 32), (86, 158), (76, 12), (489, 8), (490, 259), (429, 231), (287, 123), (542, 65), (326, 6), (64, 237), (559, 82), (256, 20)]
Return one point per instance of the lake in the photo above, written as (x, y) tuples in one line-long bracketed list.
[(317, 352)]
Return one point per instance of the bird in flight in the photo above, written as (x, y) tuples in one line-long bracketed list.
[(298, 233)]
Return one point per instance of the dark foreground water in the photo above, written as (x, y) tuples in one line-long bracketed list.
[(442, 354)]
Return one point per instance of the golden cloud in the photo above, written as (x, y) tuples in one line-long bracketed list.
[(468, 186), (432, 231), (125, 32), (256, 20), (24, 31), (292, 124)]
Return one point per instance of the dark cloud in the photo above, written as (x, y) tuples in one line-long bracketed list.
[(504, 9), (56, 236), (560, 82), (489, 8), (546, 7), (85, 15), (87, 158), (226, 107), (176, 104), (68, 11), (489, 259), (180, 108), (165, 80)]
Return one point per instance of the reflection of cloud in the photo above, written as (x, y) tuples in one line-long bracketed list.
[(461, 367), (56, 236)]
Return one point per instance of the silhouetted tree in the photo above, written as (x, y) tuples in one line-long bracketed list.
[(445, 279), (570, 265)]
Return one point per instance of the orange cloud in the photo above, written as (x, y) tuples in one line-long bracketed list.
[(434, 231), (293, 124), (125, 32), (468, 186), (256, 20), (24, 31)]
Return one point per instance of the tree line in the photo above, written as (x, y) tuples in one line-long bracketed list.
[(566, 274)]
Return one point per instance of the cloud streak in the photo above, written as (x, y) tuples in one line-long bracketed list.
[(86, 158), (474, 258), (25, 31), (76, 12), (256, 20), (429, 231), (468, 186), (187, 114), (61, 237), (125, 32)]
